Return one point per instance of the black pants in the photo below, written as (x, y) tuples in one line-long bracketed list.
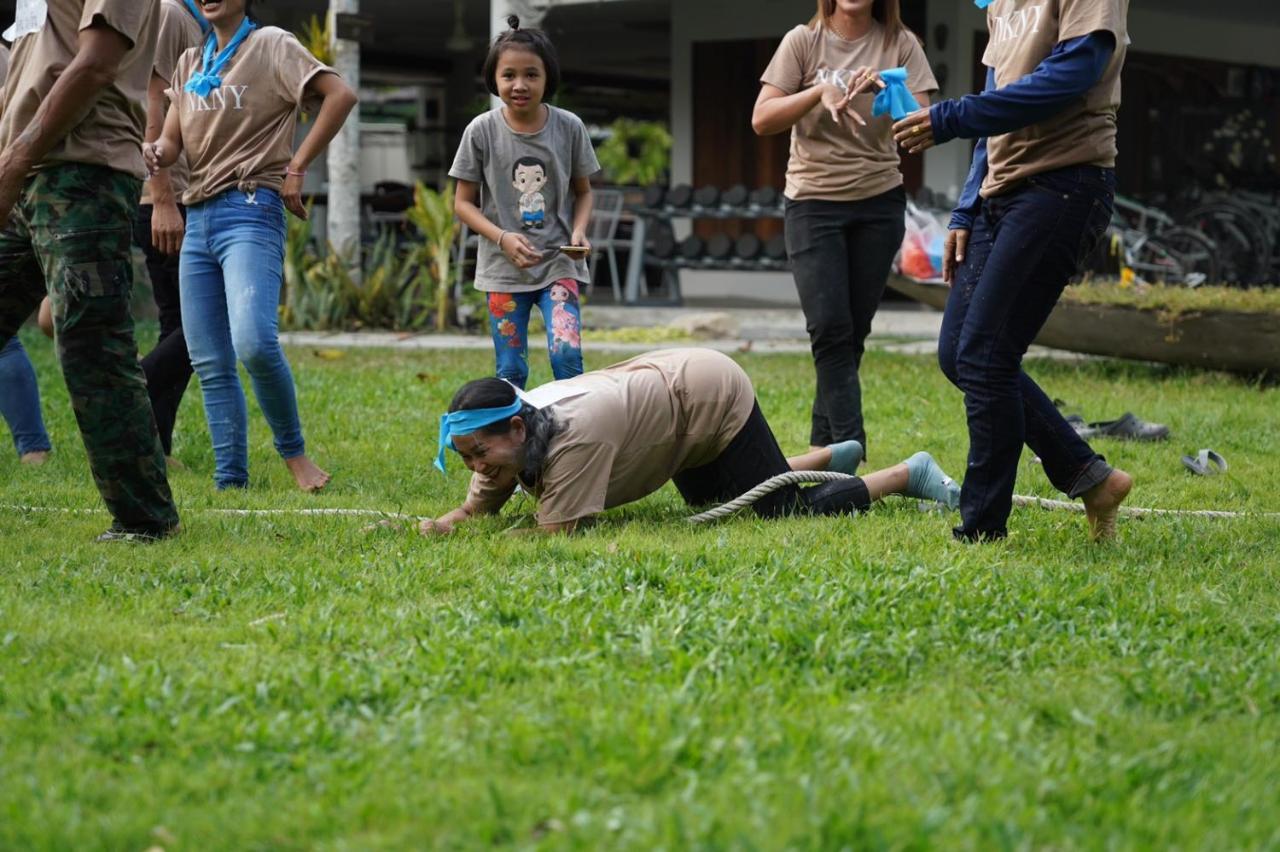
[(168, 366), (754, 456), (841, 253)]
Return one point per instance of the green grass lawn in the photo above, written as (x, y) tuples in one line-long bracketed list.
[(300, 683)]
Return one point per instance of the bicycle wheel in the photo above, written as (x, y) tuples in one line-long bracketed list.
[(1197, 253), (1154, 262), (1244, 257)]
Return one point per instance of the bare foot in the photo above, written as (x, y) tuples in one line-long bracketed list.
[(35, 459), (307, 473), (1102, 504), (173, 464)]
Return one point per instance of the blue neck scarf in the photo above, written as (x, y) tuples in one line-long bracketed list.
[(462, 423), (982, 4), (895, 98), (205, 26), (206, 79)]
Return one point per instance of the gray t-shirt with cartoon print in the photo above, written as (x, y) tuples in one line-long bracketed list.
[(526, 187)]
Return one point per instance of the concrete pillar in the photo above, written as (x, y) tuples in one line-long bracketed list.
[(344, 151)]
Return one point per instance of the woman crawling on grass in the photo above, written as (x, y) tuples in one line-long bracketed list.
[(613, 436)]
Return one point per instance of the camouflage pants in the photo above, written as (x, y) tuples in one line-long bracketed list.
[(70, 233)]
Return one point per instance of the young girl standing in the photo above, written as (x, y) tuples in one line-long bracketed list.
[(235, 105), (534, 162)]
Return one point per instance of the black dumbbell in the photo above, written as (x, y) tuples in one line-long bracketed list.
[(680, 196), (707, 197), (719, 247), (653, 196), (663, 246), (692, 247), (765, 197), (747, 247), (775, 248), (735, 196)]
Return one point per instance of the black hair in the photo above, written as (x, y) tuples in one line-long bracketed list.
[(539, 425), (528, 161), (534, 41)]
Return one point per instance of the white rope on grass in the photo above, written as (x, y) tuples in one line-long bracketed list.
[(243, 513), (782, 480), (765, 488)]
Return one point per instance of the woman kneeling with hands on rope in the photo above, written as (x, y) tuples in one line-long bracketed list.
[(613, 436)]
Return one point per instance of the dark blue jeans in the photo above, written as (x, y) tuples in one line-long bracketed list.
[(1025, 246)]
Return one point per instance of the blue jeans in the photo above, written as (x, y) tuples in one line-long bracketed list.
[(231, 272), (20, 399), (509, 325), (1025, 246)]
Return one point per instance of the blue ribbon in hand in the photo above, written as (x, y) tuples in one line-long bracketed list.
[(207, 78), (895, 98)]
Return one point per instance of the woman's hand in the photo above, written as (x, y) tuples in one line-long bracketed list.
[(519, 250), (953, 253), (291, 194), (579, 238), (439, 526), (864, 79), (915, 132), (836, 102), (157, 156)]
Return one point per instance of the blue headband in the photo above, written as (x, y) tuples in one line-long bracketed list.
[(895, 98), (462, 423)]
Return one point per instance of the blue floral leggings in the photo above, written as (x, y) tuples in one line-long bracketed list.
[(509, 325)]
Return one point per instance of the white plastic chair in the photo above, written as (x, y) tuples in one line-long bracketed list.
[(602, 231)]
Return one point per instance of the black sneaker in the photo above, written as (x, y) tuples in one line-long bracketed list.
[(136, 536)]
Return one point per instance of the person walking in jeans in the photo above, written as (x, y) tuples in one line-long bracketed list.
[(20, 404), (235, 105), (160, 223), (1044, 162), (70, 174), (845, 202)]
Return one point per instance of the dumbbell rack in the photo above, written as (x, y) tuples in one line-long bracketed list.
[(682, 202)]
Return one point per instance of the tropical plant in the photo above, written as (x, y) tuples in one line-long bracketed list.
[(636, 152), (317, 36), (432, 215)]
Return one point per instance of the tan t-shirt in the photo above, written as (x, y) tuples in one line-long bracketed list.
[(1023, 34), (179, 31), (634, 426), (110, 134), (242, 133), (843, 162)]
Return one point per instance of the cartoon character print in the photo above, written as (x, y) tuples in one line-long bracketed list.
[(529, 176), (565, 327)]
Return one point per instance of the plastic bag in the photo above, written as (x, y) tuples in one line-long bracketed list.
[(921, 256)]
